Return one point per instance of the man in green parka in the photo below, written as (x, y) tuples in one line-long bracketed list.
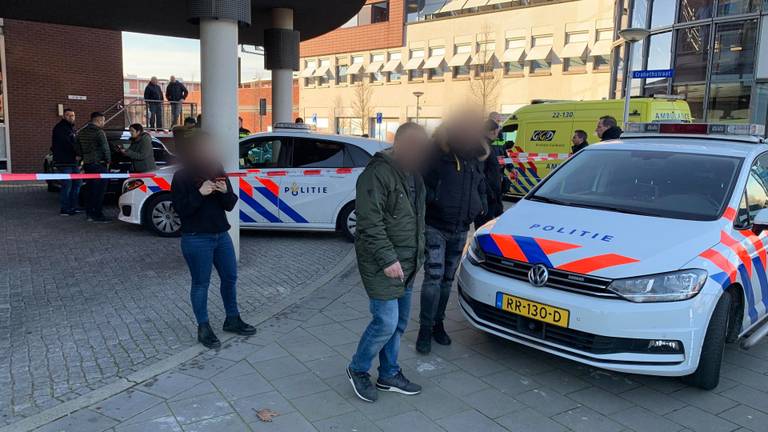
[(390, 251)]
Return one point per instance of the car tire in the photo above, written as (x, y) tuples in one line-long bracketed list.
[(160, 217), (347, 221), (707, 375)]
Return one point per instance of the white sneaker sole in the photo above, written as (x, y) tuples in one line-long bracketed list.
[(351, 381), (395, 390)]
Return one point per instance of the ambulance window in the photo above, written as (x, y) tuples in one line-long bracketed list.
[(312, 153), (509, 134), (261, 153)]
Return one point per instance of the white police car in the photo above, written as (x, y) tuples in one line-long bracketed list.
[(642, 255), (293, 179)]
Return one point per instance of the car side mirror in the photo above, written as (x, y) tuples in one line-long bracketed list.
[(760, 221)]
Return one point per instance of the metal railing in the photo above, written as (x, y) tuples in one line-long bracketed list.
[(142, 112)]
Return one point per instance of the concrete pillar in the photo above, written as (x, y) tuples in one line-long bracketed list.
[(218, 65), (282, 77)]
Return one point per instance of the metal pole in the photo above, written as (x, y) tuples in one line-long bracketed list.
[(628, 84), (218, 64), (417, 109), (282, 79)]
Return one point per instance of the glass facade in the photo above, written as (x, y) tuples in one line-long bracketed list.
[(712, 45)]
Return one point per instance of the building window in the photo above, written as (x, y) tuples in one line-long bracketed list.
[(370, 14), (435, 64), (640, 13), (694, 95), (540, 55), (415, 72), (349, 126), (733, 55), (308, 74), (323, 72), (393, 67), (460, 62), (374, 68), (662, 13), (513, 57), (355, 71), (575, 52), (694, 10), (737, 7), (692, 54), (484, 60), (341, 74), (729, 102)]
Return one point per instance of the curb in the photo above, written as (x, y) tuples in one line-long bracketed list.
[(124, 383)]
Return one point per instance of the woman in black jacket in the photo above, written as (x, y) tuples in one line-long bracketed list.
[(202, 194)]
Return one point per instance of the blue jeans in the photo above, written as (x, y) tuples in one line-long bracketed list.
[(202, 252), (443, 255), (69, 189), (382, 336)]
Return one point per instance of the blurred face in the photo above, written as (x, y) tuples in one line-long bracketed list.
[(465, 133), (491, 135), (98, 121), (600, 128), (153, 80), (134, 132), (202, 152), (576, 139), (173, 78), (69, 116), (412, 149)]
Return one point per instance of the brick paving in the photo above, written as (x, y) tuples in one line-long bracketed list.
[(82, 305), (481, 383)]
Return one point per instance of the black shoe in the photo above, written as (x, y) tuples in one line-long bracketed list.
[(438, 332), (206, 336), (424, 341), (398, 384), (99, 219), (65, 213), (361, 384), (237, 325)]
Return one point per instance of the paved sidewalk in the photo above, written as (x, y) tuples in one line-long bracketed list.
[(295, 366)]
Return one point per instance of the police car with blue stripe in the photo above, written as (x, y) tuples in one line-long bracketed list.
[(294, 179), (643, 255)]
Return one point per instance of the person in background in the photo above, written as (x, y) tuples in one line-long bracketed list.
[(607, 128), (494, 179), (199, 123), (390, 251), (190, 122), (299, 120), (181, 133), (153, 97), (579, 140), (140, 152), (243, 131), (66, 161), (176, 92), (92, 146), (456, 195), (202, 195)]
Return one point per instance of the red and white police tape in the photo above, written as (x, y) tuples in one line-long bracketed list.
[(518, 157)]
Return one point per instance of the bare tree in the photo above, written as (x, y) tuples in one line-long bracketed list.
[(362, 105), (486, 84)]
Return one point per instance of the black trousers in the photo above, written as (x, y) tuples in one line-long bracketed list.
[(94, 200)]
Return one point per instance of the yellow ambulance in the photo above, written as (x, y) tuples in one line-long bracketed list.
[(547, 127)]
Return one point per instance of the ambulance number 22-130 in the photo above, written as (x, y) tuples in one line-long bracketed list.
[(562, 114)]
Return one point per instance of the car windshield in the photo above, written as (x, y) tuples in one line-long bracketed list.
[(653, 183)]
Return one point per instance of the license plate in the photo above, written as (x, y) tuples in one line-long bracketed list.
[(538, 311)]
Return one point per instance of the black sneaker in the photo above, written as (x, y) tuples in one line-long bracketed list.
[(207, 337), (237, 325), (361, 384), (398, 384), (65, 213), (438, 332), (424, 341)]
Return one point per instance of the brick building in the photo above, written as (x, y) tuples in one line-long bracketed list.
[(45, 68)]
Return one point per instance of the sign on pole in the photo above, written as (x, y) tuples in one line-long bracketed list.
[(379, 117), (654, 73), (314, 118), (262, 106)]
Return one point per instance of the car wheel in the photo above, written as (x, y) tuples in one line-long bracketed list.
[(707, 375), (347, 222), (160, 216)]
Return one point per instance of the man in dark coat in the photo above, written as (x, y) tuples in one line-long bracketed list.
[(176, 93), (65, 161), (92, 146), (579, 141), (494, 178), (608, 129), (390, 251), (153, 96), (456, 195)]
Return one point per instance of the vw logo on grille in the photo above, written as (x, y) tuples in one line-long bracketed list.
[(538, 275)]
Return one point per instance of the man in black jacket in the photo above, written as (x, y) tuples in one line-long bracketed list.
[(607, 128), (66, 161), (494, 178), (456, 194), (176, 93), (153, 96)]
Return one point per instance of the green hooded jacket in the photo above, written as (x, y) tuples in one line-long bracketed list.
[(389, 228), (142, 154)]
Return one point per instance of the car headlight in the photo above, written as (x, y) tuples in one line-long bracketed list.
[(475, 252), (663, 287), (132, 184)]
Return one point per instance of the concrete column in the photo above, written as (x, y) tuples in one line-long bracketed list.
[(218, 64), (282, 79)]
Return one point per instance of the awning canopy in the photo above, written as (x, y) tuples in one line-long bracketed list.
[(572, 50), (434, 62), (323, 71), (459, 59), (355, 68), (414, 63), (483, 58), (391, 66), (474, 3), (452, 5), (602, 47), (513, 54), (374, 67), (308, 71), (541, 52)]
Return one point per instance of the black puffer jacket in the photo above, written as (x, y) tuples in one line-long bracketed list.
[(456, 189), (613, 132), (63, 144)]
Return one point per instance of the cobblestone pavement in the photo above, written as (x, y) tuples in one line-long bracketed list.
[(82, 305), (481, 383)]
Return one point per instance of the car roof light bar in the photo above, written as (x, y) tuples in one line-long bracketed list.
[(756, 130)]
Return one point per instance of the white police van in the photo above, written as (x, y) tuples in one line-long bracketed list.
[(642, 255), (292, 179)]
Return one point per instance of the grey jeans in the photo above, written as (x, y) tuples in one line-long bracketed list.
[(443, 256)]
